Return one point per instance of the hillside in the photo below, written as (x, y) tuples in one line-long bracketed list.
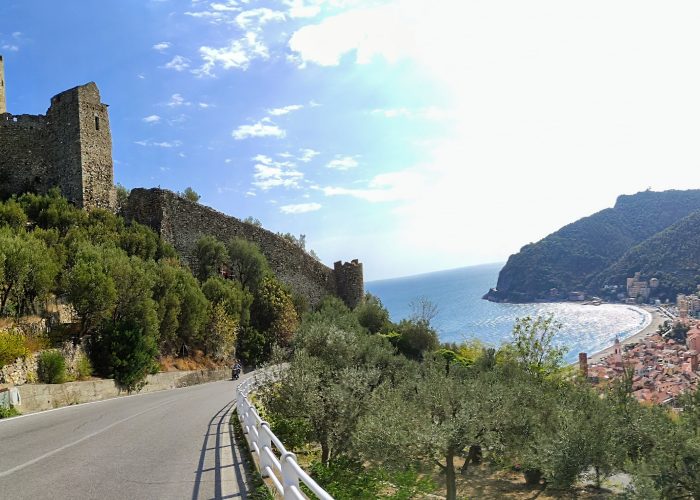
[(672, 256), (574, 257)]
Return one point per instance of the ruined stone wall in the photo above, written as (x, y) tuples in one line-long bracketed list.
[(70, 147), (95, 149), (182, 223), (23, 165), (3, 103), (349, 282)]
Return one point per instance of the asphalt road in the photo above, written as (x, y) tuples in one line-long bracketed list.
[(170, 444)]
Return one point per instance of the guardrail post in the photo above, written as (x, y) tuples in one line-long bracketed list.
[(264, 441), (289, 475)]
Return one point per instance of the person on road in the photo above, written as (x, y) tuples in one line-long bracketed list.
[(236, 370)]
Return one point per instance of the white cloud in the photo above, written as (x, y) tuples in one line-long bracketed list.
[(285, 155), (251, 193), (257, 18), (392, 186), (178, 63), (300, 208), (284, 110), (177, 100), (303, 8), (386, 30), (218, 12), (428, 113), (270, 173), (342, 163), (10, 47), (204, 105), (263, 128), (161, 46), (307, 155), (237, 55), (151, 119), (162, 144)]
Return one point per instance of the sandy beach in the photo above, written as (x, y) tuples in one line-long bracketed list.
[(657, 318)]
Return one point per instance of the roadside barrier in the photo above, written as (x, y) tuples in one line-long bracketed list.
[(276, 463)]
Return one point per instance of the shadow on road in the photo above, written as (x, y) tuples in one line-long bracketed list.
[(221, 458)]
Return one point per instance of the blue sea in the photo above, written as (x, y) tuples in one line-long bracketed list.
[(463, 315)]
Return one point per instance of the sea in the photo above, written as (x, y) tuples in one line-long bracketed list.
[(463, 315)]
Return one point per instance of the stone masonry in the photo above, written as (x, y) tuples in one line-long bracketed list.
[(70, 147), (182, 222), (3, 103)]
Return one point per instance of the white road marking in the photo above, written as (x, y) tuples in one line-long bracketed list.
[(84, 438)]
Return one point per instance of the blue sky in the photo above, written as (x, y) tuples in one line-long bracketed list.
[(412, 135)]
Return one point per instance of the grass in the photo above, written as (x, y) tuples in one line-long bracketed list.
[(259, 490)]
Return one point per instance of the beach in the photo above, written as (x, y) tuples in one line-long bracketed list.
[(657, 319)]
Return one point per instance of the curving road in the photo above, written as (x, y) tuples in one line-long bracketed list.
[(170, 444)]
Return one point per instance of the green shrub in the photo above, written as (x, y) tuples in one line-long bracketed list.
[(7, 412), (13, 345), (346, 479), (52, 367), (84, 367)]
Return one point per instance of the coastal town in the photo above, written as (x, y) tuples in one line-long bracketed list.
[(663, 359)]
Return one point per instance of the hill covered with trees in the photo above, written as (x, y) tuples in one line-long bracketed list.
[(126, 296), (584, 255)]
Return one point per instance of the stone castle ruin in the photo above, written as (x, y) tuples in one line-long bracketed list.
[(71, 148)]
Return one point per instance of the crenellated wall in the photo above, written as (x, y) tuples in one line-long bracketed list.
[(182, 222)]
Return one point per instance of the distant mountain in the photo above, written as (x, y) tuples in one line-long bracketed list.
[(584, 255), (672, 256)]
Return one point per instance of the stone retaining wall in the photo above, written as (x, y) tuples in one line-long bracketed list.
[(39, 397)]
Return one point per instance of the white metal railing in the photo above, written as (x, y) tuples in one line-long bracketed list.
[(276, 463)]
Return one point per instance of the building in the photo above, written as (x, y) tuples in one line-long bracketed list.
[(69, 147)]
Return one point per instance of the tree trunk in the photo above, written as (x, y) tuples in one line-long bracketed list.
[(473, 456), (325, 453), (450, 476)]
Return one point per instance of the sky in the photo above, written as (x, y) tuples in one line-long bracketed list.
[(412, 135)]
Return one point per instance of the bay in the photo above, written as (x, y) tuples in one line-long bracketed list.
[(463, 314)]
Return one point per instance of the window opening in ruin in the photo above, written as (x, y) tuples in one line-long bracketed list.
[(97, 123)]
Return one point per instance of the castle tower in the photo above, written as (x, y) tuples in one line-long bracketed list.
[(349, 282), (3, 103), (80, 145)]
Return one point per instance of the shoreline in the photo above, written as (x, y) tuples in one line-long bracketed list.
[(657, 318)]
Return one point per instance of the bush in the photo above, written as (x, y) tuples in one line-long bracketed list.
[(83, 368), (13, 345), (52, 367), (7, 412)]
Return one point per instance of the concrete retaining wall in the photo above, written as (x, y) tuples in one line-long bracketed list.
[(39, 397)]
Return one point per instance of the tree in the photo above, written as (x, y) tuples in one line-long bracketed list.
[(423, 309), (248, 264), (210, 255), (372, 314), (417, 338), (533, 344), (222, 332), (231, 296), (122, 195), (190, 194), (430, 417), (127, 353), (12, 215), (90, 289), (273, 312), (253, 221)]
